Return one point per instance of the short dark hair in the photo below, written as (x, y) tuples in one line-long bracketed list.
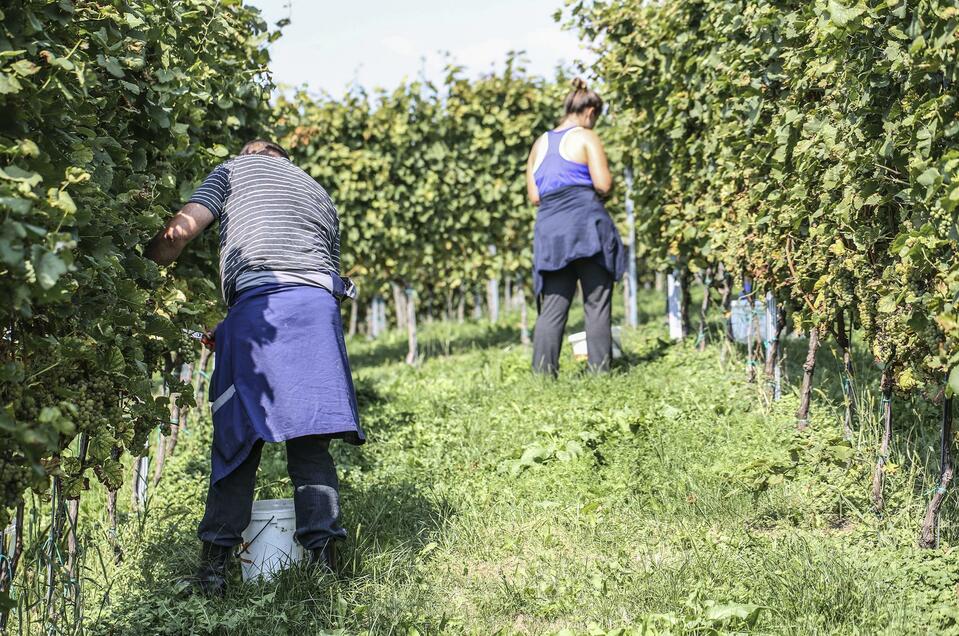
[(264, 147), (581, 98)]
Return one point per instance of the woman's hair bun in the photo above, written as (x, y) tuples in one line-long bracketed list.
[(581, 98)]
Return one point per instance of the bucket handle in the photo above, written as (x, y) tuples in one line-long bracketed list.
[(246, 546)]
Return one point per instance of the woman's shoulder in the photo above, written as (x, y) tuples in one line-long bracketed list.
[(539, 142), (581, 132)]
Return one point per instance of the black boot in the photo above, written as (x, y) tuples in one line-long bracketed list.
[(211, 577), (324, 558)]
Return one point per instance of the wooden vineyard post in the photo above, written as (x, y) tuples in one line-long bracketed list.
[(461, 307), (112, 513), (809, 369), (703, 310), (371, 319), (200, 376), (448, 310), (380, 316), (929, 535), (632, 308), (774, 324), (674, 301), (844, 339), (412, 355), (161, 438), (161, 443), (879, 477), (141, 468), (523, 316), (492, 293), (354, 317), (52, 552), (73, 512), (11, 559), (477, 305), (377, 317), (179, 417), (167, 443), (399, 300), (727, 305), (752, 334)]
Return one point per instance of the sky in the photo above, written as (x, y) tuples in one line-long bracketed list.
[(379, 43)]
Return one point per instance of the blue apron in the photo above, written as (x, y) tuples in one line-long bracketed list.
[(281, 372), (572, 223)]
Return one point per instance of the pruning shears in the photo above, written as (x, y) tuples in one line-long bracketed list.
[(206, 339)]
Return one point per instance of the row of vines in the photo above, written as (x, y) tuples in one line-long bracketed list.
[(812, 149), (116, 111), (112, 111), (806, 148), (428, 182)]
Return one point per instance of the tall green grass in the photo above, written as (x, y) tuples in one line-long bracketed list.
[(664, 497)]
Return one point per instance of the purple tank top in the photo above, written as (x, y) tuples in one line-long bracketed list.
[(555, 172)]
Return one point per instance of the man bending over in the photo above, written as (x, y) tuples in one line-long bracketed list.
[(282, 372)]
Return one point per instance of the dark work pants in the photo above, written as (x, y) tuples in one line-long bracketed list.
[(316, 498), (555, 299)]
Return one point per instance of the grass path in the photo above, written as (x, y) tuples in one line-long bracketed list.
[(663, 496)]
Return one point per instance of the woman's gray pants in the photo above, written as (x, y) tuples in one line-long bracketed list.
[(316, 498), (555, 299)]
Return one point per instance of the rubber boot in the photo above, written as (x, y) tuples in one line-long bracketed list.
[(211, 577), (324, 559)]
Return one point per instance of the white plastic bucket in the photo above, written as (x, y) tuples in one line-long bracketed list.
[(268, 542), (581, 352)]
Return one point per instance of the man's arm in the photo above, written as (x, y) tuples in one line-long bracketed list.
[(180, 230)]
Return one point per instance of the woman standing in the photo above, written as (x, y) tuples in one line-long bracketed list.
[(574, 238)]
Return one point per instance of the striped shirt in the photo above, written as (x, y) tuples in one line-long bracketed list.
[(276, 223)]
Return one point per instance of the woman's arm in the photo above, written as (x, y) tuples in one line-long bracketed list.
[(531, 190), (596, 160)]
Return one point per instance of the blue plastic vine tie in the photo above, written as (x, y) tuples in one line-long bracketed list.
[(938, 490)]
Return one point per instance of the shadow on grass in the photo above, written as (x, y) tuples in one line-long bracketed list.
[(390, 516), (655, 350), (389, 524)]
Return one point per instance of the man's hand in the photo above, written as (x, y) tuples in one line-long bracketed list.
[(185, 225), (208, 339)]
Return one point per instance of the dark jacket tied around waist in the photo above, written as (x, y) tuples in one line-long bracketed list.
[(572, 223)]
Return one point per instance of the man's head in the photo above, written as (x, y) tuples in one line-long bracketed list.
[(264, 147)]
